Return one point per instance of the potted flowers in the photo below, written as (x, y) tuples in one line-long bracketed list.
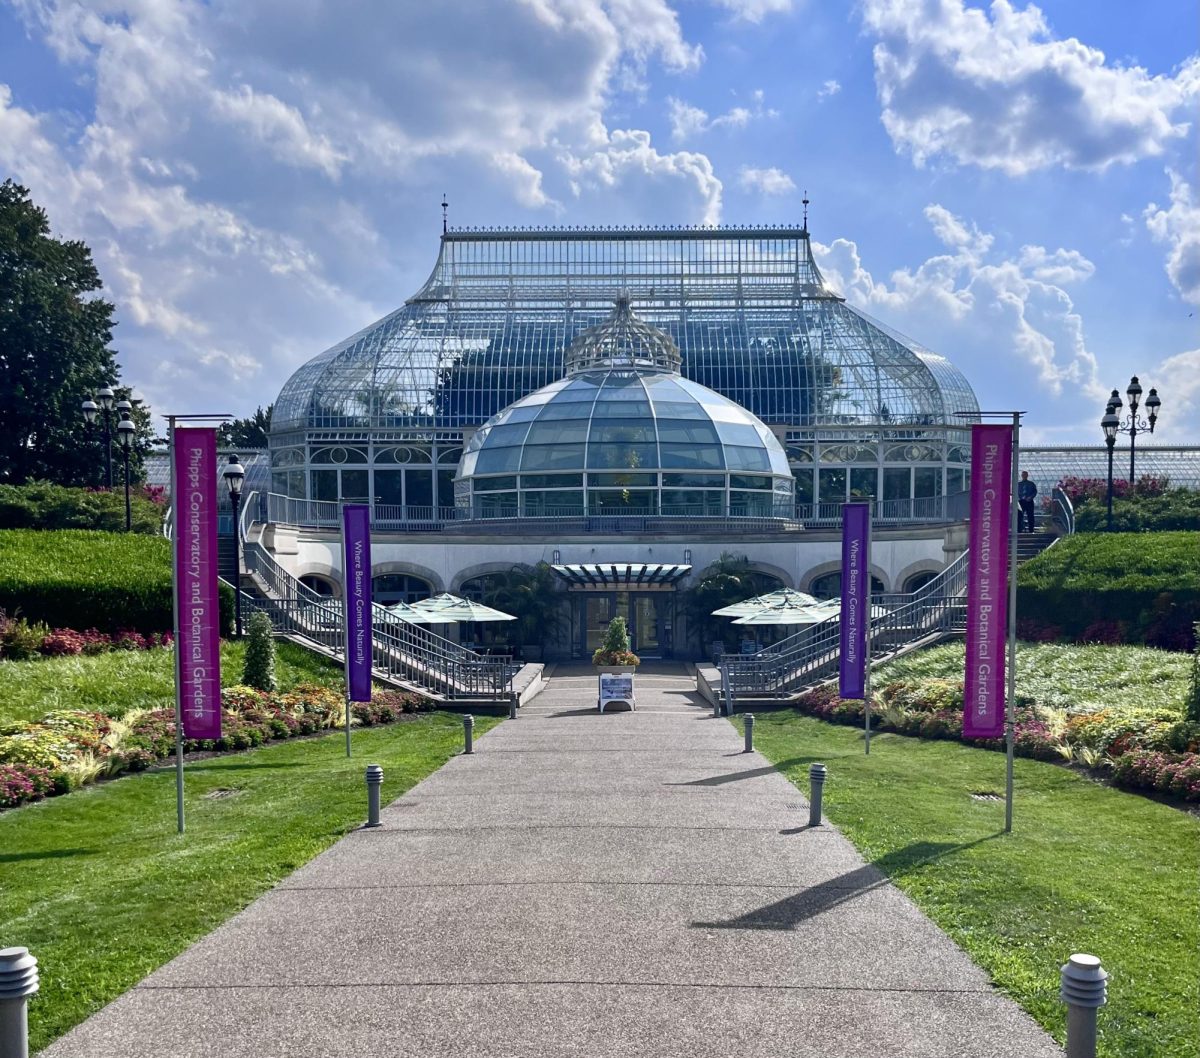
[(615, 664)]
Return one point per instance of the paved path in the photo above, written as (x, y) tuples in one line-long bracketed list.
[(625, 885)]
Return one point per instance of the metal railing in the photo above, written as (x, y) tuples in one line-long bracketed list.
[(812, 654), (1062, 511), (399, 650), (668, 518)]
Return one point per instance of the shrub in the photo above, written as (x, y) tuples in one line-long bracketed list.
[(1177, 509), (22, 782), (1148, 585), (259, 670), (80, 579), (19, 639), (1191, 704), (41, 505), (614, 649)]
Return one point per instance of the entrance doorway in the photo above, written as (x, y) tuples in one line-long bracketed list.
[(649, 615)]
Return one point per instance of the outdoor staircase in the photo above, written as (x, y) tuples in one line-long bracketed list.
[(1030, 545), (899, 624)]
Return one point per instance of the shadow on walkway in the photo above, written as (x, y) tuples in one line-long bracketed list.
[(788, 913)]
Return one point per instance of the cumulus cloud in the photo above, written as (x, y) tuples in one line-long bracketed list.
[(1179, 227), (770, 181), (235, 162), (755, 10), (1000, 91), (994, 316), (688, 121), (1178, 379), (829, 88)]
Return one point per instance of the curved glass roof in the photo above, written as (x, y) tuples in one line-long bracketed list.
[(747, 308), (622, 420)]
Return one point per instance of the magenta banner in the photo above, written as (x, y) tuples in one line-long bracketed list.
[(987, 580), (856, 599), (356, 547), (197, 604)]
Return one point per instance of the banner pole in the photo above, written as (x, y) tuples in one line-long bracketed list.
[(1011, 710), (179, 818), (346, 582), (867, 649)]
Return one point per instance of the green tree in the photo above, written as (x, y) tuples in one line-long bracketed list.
[(54, 349), (728, 580), (253, 432), (259, 668), (531, 595)]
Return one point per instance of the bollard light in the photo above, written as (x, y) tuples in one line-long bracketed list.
[(816, 784), (512, 707), (374, 785), (18, 981), (749, 733), (468, 733), (1084, 990)]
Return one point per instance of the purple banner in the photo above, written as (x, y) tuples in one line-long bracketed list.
[(856, 599), (987, 580), (356, 551), (197, 604)]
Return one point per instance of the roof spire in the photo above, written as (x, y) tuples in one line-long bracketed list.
[(445, 214), (804, 229)]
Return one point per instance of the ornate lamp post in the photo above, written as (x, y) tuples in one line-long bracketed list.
[(1110, 424), (126, 431), (103, 403), (235, 476), (1133, 424)]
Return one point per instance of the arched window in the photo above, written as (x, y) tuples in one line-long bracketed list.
[(829, 586), (321, 585), (918, 580), (481, 588), (399, 587)]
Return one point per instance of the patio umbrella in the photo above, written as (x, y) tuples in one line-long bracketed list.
[(800, 615), (452, 609), (783, 596), (410, 614)]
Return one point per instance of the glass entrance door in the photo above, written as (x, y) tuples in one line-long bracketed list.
[(647, 616), (597, 612), (647, 630)]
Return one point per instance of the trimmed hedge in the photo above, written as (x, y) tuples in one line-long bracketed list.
[(41, 505), (78, 578), (1178, 509), (1116, 587)]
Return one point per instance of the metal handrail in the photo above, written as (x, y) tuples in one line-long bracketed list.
[(813, 653), (1063, 510), (399, 650)]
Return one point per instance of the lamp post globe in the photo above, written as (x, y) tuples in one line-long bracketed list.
[(235, 476), (126, 431)]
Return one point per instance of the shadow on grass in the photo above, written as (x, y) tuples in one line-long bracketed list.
[(788, 913), (47, 854)]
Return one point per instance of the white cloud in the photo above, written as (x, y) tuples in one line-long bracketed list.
[(993, 316), (236, 164), (688, 121), (1178, 381), (755, 10), (770, 181), (829, 88), (1002, 92), (629, 153), (1179, 227)]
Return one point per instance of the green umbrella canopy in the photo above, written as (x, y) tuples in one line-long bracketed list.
[(453, 609), (411, 614), (800, 615), (781, 597)]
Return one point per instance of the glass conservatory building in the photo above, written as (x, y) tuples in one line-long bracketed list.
[(763, 390)]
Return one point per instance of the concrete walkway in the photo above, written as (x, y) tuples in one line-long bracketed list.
[(621, 885)]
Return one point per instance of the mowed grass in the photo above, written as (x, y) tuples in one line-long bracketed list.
[(102, 889), (1086, 869), (135, 679), (1066, 676)]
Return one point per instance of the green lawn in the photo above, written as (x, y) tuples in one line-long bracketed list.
[(101, 888), (135, 679), (1086, 868), (1078, 678)]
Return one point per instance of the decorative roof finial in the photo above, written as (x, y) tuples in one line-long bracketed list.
[(445, 215), (805, 201)]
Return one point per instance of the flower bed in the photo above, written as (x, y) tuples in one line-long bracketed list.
[(20, 640), (68, 748), (1142, 749)]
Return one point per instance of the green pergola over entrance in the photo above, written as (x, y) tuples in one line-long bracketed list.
[(620, 576)]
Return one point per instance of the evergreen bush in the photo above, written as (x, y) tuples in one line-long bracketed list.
[(259, 670), (1191, 704), (614, 650)]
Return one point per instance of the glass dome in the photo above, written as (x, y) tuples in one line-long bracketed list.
[(623, 433)]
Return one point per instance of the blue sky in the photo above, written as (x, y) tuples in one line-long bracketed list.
[(1012, 185)]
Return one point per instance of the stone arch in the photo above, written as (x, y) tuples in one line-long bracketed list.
[(480, 569), (323, 571), (785, 578), (878, 575), (412, 569), (922, 568)]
